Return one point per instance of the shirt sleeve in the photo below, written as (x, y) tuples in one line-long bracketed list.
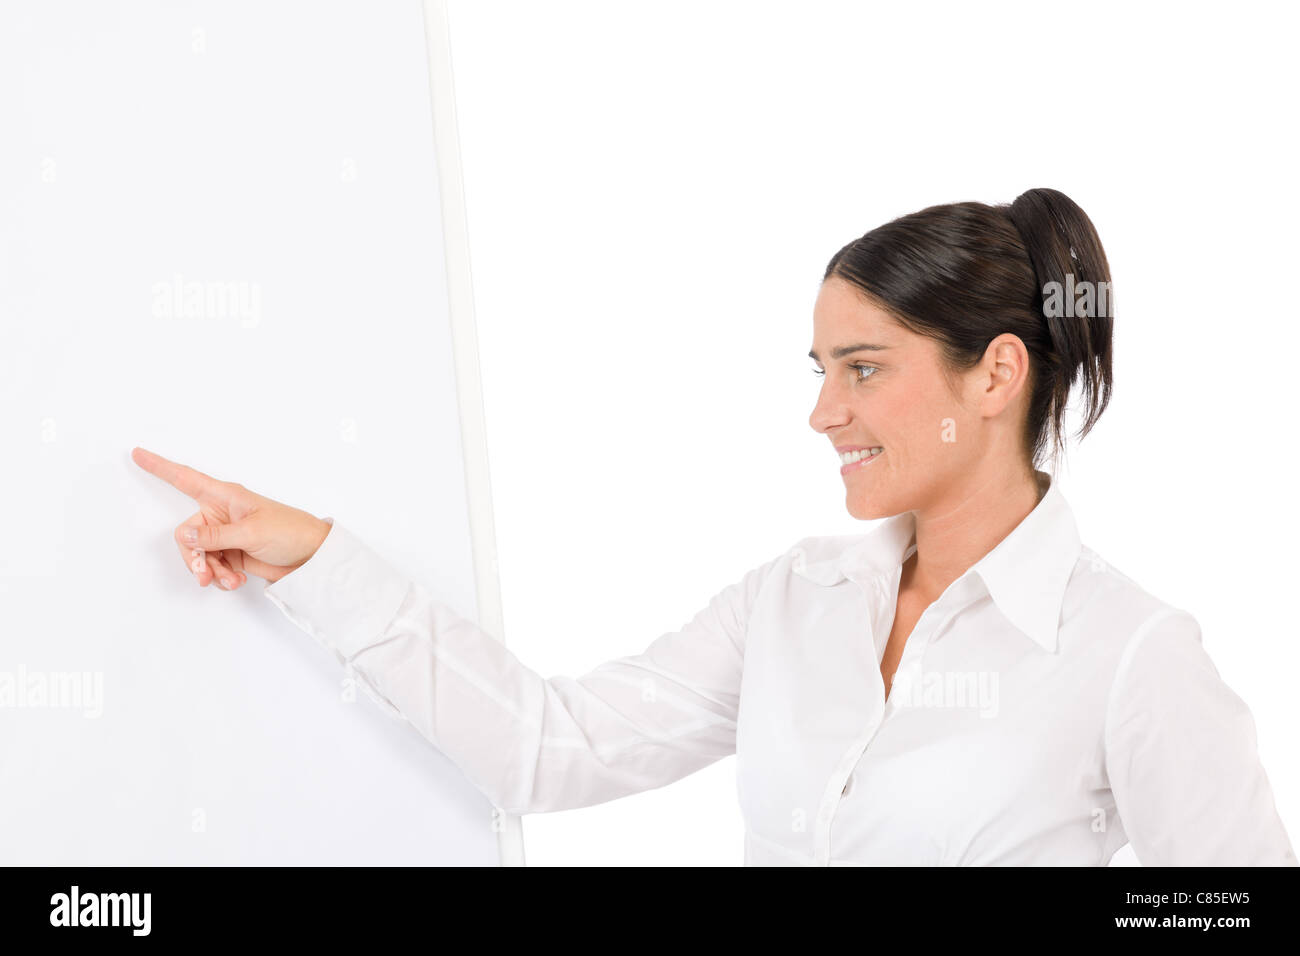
[(1182, 757), (530, 744)]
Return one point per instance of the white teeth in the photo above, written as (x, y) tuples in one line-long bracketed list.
[(850, 457)]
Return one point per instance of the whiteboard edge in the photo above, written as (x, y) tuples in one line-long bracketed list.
[(469, 389)]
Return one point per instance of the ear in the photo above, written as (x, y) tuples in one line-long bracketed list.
[(1003, 373)]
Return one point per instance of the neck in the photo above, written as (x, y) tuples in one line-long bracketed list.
[(965, 525)]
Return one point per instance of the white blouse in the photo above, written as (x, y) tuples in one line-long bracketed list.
[(1046, 709)]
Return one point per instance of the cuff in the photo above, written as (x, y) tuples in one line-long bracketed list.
[(344, 596)]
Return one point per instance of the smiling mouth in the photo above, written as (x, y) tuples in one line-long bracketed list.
[(851, 457), (857, 460)]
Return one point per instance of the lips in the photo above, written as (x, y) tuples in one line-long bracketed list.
[(861, 462)]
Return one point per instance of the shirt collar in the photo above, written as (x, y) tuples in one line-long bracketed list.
[(1025, 574)]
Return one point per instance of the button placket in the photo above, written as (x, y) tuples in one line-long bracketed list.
[(839, 784), (912, 663), (911, 660)]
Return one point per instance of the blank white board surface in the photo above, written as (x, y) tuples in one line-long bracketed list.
[(222, 227)]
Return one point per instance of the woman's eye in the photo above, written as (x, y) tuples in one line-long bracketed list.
[(861, 368)]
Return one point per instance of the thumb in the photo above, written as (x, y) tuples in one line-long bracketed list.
[(217, 537)]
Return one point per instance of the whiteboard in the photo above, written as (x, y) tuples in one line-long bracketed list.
[(234, 235)]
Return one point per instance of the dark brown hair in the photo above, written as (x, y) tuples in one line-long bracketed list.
[(964, 273)]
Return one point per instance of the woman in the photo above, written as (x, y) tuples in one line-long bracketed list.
[(964, 684)]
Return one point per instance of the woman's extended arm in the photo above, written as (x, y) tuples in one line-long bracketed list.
[(1182, 757), (530, 744)]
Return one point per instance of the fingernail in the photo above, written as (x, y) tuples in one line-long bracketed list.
[(191, 535), (227, 583), (194, 554), (197, 565)]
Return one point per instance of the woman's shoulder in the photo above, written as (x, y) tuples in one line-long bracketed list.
[(1106, 605)]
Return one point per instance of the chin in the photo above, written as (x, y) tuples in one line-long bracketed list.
[(866, 510), (869, 504)]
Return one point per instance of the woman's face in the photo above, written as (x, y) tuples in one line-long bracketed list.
[(884, 387)]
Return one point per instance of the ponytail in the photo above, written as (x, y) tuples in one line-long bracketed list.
[(1074, 298)]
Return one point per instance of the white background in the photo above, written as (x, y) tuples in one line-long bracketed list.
[(653, 192)]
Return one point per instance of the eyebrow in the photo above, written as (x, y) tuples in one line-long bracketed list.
[(844, 350)]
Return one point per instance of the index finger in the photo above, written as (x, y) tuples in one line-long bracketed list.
[(182, 477)]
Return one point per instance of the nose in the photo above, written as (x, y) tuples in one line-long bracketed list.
[(829, 412)]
